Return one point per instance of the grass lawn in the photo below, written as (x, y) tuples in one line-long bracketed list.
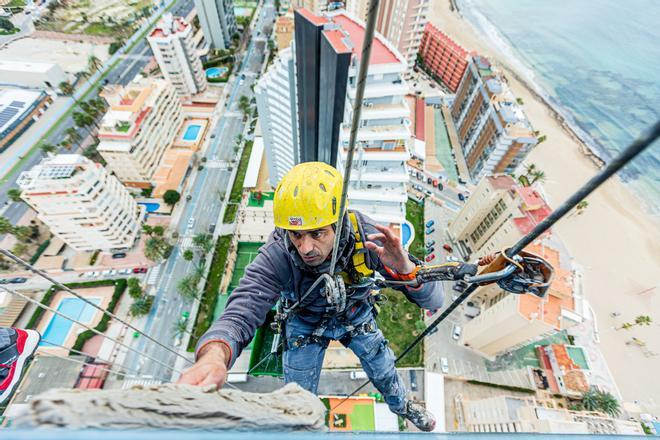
[(210, 296), (103, 29), (415, 215), (397, 319), (237, 188)]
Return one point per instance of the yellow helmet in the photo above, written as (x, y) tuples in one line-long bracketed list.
[(308, 197)]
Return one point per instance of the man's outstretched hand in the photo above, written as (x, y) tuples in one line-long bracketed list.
[(210, 368), (391, 252)]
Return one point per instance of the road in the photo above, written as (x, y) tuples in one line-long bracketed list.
[(123, 73), (204, 206)]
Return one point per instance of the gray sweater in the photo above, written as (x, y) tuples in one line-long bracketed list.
[(278, 271)]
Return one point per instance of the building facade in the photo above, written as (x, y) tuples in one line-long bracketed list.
[(276, 103), (493, 131), (400, 21), (313, 6), (81, 203), (218, 21), (141, 123), (444, 59), (284, 31), (174, 48), (498, 213)]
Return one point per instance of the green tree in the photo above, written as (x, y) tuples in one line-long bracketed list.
[(157, 248), (19, 249), (188, 255), (625, 326), (22, 233), (204, 242), (147, 229), (537, 176), (643, 320), (5, 226), (171, 197), (73, 135), (180, 327), (590, 400), (608, 404), (158, 230), (98, 103), (93, 63), (187, 287), (66, 88), (6, 24), (48, 148), (134, 289), (141, 306), (244, 104), (83, 120), (14, 194)]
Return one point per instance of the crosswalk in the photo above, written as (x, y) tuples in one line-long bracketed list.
[(218, 164), (186, 242)]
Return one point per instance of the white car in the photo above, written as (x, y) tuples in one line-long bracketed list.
[(125, 271), (105, 273), (88, 274), (444, 365), (456, 332), (94, 274), (113, 272), (355, 375), (191, 222), (451, 258)]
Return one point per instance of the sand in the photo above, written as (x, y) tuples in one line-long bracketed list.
[(615, 241)]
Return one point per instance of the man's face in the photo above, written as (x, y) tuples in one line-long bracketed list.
[(314, 245)]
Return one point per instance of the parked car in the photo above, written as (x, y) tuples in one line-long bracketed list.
[(430, 223), (454, 259), (94, 274), (429, 180), (430, 258), (4, 281), (106, 272), (417, 187), (188, 197), (355, 375), (440, 186), (213, 136), (17, 280), (444, 365), (241, 82), (211, 228), (447, 248), (428, 192), (430, 250), (430, 231), (124, 271), (140, 270), (461, 197), (456, 332), (119, 255), (113, 272), (435, 182), (430, 243)]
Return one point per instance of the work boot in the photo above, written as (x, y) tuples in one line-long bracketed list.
[(418, 416)]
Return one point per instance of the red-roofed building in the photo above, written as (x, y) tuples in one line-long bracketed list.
[(443, 58)]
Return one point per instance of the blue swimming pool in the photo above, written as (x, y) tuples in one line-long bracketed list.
[(216, 72), (407, 234), (59, 327), (150, 206), (191, 132)]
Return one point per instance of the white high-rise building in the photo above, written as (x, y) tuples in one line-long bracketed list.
[(275, 93), (174, 49), (81, 203), (218, 21), (401, 22), (384, 140), (140, 125)]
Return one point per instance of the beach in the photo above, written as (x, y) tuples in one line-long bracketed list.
[(615, 242)]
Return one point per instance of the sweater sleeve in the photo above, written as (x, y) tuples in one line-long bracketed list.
[(246, 308)]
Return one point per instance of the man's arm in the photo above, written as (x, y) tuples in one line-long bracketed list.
[(245, 311)]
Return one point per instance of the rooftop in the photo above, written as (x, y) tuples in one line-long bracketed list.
[(25, 66), (501, 181), (315, 19), (380, 52), (14, 103), (437, 33), (336, 38), (168, 25)]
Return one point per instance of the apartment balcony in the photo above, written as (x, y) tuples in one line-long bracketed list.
[(385, 111), (378, 133), (383, 196), (382, 212), (399, 153), (379, 90), (369, 174)]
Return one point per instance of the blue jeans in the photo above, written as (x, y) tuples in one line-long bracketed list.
[(303, 362)]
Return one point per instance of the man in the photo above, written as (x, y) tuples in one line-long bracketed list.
[(306, 212), (16, 347)]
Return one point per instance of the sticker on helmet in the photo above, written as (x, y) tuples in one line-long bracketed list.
[(295, 221)]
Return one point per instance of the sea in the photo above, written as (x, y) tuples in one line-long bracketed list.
[(597, 62)]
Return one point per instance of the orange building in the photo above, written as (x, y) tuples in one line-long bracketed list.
[(445, 59)]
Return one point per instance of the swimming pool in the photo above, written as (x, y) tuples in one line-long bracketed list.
[(191, 132), (59, 327), (407, 234), (150, 206), (216, 72)]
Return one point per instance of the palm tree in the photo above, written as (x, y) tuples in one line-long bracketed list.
[(73, 135), (147, 229), (187, 287), (643, 320), (537, 176), (66, 88), (90, 109), (157, 248), (141, 306), (22, 233), (48, 148), (19, 249), (188, 255), (93, 63), (65, 143), (625, 326), (590, 400), (5, 226), (83, 120), (98, 103), (204, 241), (608, 404), (14, 194), (180, 327)]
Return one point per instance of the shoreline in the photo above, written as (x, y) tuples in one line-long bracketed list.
[(613, 241)]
